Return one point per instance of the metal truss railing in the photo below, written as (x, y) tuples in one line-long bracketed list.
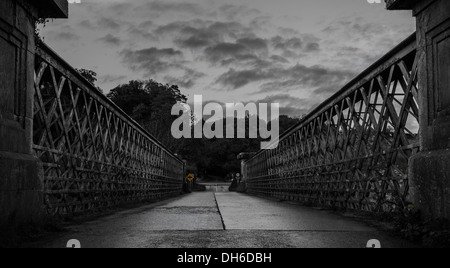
[(93, 155), (353, 150)]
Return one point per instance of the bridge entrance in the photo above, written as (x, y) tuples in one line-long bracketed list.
[(225, 220), (379, 145)]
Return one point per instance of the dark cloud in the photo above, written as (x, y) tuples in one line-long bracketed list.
[(235, 45), (293, 47), (233, 12), (196, 41), (66, 33), (327, 91), (173, 27), (291, 43), (317, 75), (107, 23), (111, 40), (357, 27), (139, 33), (232, 29), (146, 24), (245, 52), (242, 48), (188, 80), (207, 38), (120, 8), (86, 24), (159, 8), (200, 33), (379, 35), (312, 47), (361, 42), (253, 43), (112, 78), (261, 22), (194, 34), (224, 52), (65, 36), (234, 79), (287, 31), (280, 79), (278, 59), (300, 76), (355, 57), (153, 60), (290, 105)]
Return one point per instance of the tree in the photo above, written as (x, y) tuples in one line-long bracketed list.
[(150, 104), (90, 76), (129, 96), (287, 122)]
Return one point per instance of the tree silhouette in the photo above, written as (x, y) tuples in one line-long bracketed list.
[(150, 104)]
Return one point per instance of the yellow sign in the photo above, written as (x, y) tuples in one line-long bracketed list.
[(190, 177)]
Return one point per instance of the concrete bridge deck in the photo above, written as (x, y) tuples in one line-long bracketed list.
[(223, 220)]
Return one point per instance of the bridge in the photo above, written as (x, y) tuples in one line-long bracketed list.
[(93, 155), (353, 150), (379, 145)]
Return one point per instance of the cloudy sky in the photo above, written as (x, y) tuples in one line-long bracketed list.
[(293, 52)]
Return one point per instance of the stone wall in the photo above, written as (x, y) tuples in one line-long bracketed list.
[(20, 180), (429, 173), (430, 170)]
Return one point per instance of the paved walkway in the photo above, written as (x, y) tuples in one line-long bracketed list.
[(223, 220)]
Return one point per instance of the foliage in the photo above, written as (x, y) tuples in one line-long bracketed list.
[(90, 76), (218, 157), (287, 122), (150, 104), (37, 33)]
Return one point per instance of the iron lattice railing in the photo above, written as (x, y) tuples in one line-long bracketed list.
[(93, 155), (353, 150)]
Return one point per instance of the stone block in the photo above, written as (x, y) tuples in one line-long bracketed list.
[(5, 11), (19, 172), (53, 8), (20, 208), (430, 183), (13, 138), (21, 198)]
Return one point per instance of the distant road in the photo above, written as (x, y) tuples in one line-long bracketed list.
[(216, 186), (223, 220)]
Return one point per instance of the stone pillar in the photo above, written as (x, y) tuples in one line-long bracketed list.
[(244, 157), (20, 183), (430, 169)]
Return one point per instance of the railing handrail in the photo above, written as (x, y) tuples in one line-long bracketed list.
[(52, 57), (407, 46)]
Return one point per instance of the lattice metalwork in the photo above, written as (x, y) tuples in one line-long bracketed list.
[(353, 150), (93, 155)]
